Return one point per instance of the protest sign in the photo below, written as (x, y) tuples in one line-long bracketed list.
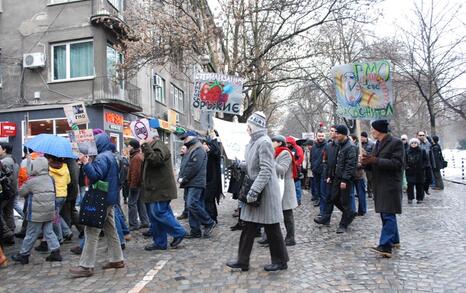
[(364, 90), (234, 138), (76, 114), (140, 128), (218, 92), (83, 142)]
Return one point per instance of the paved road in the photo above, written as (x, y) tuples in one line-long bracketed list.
[(432, 258)]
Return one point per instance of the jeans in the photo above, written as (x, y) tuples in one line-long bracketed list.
[(318, 182), (120, 224), (163, 223), (196, 211), (17, 207), (91, 234), (136, 207), (360, 188), (389, 234), (341, 198), (82, 191), (328, 205), (297, 185), (59, 225), (33, 231)]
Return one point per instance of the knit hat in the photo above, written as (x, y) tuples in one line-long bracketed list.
[(380, 125), (341, 129), (279, 138), (257, 121), (435, 138), (134, 144), (364, 134)]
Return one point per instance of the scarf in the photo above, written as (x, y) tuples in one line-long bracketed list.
[(280, 149)]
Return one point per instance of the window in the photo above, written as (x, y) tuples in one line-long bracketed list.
[(159, 88), (178, 98), (74, 60), (114, 58), (58, 127)]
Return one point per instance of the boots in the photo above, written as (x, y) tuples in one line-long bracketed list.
[(21, 258), (3, 259), (43, 247), (289, 225), (54, 256)]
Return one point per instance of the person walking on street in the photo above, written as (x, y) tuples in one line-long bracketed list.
[(298, 154), (439, 162), (7, 222), (342, 177), (306, 168), (260, 167), (367, 145), (192, 178), (213, 191), (287, 170), (317, 167), (39, 191), (386, 163), (184, 214), (404, 140), (427, 146), (416, 162), (137, 212), (103, 168), (159, 189)]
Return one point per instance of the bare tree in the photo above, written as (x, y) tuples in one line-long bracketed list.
[(435, 58)]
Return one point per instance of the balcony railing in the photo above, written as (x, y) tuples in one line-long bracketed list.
[(121, 93), (105, 13)]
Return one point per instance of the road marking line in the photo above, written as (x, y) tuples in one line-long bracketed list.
[(148, 277)]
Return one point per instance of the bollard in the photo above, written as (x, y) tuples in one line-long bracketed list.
[(462, 168)]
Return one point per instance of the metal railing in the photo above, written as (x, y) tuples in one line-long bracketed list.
[(109, 88)]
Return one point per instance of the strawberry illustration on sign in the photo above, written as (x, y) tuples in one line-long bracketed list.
[(213, 92)]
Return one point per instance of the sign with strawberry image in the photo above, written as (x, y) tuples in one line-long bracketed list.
[(218, 92)]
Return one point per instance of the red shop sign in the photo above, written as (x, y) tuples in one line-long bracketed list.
[(7, 129)]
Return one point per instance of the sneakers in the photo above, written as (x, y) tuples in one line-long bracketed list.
[(192, 236), (54, 256), (208, 230), (383, 251), (152, 247), (81, 272), (176, 241), (114, 265)]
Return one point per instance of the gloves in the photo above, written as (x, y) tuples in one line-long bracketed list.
[(368, 160), (251, 197)]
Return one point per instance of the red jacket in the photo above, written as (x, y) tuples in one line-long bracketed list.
[(297, 151)]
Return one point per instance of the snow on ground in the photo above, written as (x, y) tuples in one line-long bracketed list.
[(456, 165)]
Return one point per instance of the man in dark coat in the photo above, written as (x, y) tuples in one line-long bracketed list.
[(213, 189), (159, 188), (342, 177), (386, 163), (439, 162), (192, 178), (318, 180)]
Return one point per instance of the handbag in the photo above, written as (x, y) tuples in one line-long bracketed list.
[(245, 188), (281, 187), (93, 210)]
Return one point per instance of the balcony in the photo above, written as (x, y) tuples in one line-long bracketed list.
[(111, 17), (121, 95)]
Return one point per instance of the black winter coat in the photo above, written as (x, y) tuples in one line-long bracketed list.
[(387, 175), (437, 156), (194, 171), (330, 158), (214, 174), (416, 163), (317, 154), (347, 160)]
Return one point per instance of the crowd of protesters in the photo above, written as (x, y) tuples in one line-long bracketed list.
[(268, 185)]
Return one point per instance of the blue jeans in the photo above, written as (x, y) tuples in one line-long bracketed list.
[(360, 188), (297, 185), (316, 188), (318, 182), (33, 231), (120, 223), (196, 211), (163, 223), (389, 234), (60, 227), (328, 204)]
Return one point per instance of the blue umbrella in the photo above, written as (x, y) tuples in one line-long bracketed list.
[(57, 146)]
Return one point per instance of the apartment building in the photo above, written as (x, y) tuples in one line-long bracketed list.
[(56, 52)]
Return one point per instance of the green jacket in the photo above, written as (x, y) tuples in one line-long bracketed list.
[(158, 180)]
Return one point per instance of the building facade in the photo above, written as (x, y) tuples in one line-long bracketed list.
[(56, 52)]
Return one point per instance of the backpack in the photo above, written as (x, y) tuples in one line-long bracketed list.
[(122, 165)]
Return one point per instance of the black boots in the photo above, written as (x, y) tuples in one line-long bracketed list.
[(289, 225), (236, 265), (43, 247), (21, 258), (54, 256)]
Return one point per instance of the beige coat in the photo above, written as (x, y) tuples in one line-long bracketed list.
[(285, 170)]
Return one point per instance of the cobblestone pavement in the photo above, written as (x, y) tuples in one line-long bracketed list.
[(432, 258)]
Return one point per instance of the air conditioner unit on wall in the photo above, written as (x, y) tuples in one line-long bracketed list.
[(33, 60)]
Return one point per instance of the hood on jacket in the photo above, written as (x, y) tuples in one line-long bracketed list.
[(103, 143), (40, 166), (291, 140), (62, 171)]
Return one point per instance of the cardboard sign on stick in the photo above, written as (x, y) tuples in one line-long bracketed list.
[(140, 128)]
